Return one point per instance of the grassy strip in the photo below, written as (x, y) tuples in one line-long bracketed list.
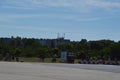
[(47, 60)]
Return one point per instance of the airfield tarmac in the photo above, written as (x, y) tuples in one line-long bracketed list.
[(57, 71)]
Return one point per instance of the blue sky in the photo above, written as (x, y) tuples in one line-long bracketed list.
[(78, 19)]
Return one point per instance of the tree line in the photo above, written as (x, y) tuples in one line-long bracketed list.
[(30, 47)]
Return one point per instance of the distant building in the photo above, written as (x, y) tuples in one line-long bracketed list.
[(5, 40), (44, 42), (54, 42)]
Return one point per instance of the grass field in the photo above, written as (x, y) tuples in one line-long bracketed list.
[(37, 60), (46, 60), (34, 59)]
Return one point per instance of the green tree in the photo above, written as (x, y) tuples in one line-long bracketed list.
[(115, 51)]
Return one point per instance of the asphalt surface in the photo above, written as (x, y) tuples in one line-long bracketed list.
[(55, 71), (97, 67)]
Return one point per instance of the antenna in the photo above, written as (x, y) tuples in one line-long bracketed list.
[(58, 35), (63, 35)]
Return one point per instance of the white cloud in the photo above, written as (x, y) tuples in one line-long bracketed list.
[(103, 3), (19, 27), (68, 4), (14, 17), (76, 3), (73, 5)]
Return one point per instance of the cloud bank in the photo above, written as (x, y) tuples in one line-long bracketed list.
[(68, 4), (80, 6)]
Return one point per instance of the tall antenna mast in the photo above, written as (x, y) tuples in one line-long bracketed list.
[(63, 35), (58, 35)]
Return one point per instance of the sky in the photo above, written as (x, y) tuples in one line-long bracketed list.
[(77, 19)]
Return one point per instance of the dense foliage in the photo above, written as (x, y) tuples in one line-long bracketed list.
[(30, 47)]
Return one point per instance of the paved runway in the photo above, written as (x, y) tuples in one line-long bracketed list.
[(55, 71)]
